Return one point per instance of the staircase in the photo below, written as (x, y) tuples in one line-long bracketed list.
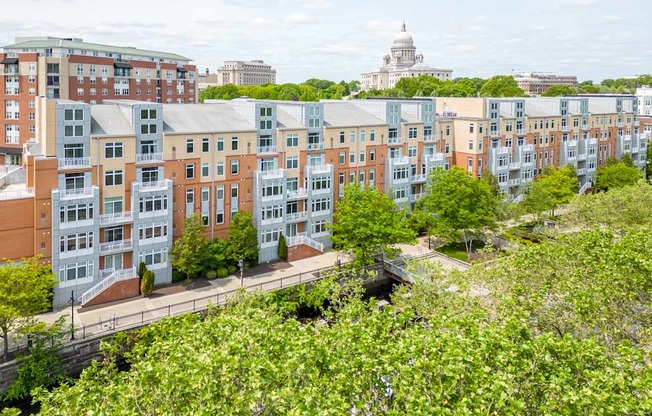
[(304, 239), (585, 188), (113, 277)]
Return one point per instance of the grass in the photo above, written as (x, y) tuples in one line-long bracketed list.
[(458, 250)]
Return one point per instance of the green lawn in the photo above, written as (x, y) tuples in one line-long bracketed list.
[(458, 250)]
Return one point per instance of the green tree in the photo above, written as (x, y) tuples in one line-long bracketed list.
[(289, 92), (501, 86), (354, 86), (559, 90), (461, 206), (367, 223), (216, 256), (282, 248), (25, 290), (243, 239), (190, 249), (618, 175), (556, 186), (147, 284), (648, 161), (142, 268)]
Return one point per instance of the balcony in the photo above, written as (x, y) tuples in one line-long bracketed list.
[(581, 171), (515, 166), (593, 142), (429, 138), (320, 213), (434, 158), (634, 149), (585, 126), (320, 169), (315, 146), (403, 160), (582, 156), (271, 174), (495, 133), (502, 150), (565, 128), (115, 247), (75, 163), (298, 194), (266, 150), (393, 140), (515, 182), (527, 148), (620, 124), (419, 178), (154, 185), (416, 197), (303, 239), (520, 132), (637, 123), (116, 218), (297, 216), (77, 192), (149, 157)]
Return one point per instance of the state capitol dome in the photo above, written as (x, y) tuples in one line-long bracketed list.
[(403, 39)]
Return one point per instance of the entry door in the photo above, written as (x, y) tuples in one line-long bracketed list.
[(113, 261)]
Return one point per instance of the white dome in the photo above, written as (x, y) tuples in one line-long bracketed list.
[(403, 39)]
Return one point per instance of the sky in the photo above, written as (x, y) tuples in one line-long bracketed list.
[(338, 40)]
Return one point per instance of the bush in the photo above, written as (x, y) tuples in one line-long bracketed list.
[(222, 272), (142, 268), (211, 275), (282, 248), (177, 276), (147, 284), (231, 268)]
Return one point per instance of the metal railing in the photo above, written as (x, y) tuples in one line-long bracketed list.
[(299, 193), (271, 173), (515, 165), (149, 157), (419, 178), (403, 160), (327, 168), (114, 246), (303, 239), (16, 193), (154, 185), (76, 192), (315, 146), (393, 140), (520, 132), (74, 162), (107, 282), (266, 149), (297, 216), (116, 218), (585, 188)]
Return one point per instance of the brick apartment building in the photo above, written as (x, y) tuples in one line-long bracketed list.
[(81, 71), (108, 185), (536, 83)]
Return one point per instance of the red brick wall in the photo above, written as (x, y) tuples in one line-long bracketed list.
[(301, 252), (120, 290)]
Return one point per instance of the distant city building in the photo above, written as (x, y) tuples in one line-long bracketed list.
[(401, 61), (69, 68), (536, 83), (644, 96), (254, 72)]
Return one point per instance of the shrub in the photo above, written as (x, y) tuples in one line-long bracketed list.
[(211, 275), (282, 248), (142, 268), (147, 284), (222, 272), (231, 268), (177, 276)]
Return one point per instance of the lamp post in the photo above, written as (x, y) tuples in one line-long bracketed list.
[(72, 315), (241, 265)]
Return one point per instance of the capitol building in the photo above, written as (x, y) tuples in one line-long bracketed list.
[(401, 61)]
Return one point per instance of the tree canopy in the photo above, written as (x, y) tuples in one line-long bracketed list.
[(556, 186), (501, 86), (460, 205), (617, 175), (190, 249), (367, 223), (312, 89), (25, 290), (559, 91), (243, 239)]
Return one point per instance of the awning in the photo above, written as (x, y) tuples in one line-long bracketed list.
[(9, 61), (11, 150), (181, 69), (122, 65)]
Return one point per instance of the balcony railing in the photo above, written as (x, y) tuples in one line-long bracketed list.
[(429, 138), (77, 193), (299, 193), (520, 132), (297, 216), (315, 146), (495, 133), (149, 157), (403, 160), (321, 212), (581, 171), (585, 126), (515, 165), (621, 124), (266, 150), (581, 156), (115, 246), (303, 239), (271, 173), (434, 158), (320, 169), (565, 128), (416, 197), (502, 150), (637, 123), (112, 276), (75, 163), (419, 178), (515, 182), (154, 185), (393, 140), (527, 148), (116, 218)]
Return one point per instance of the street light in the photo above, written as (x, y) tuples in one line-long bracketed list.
[(241, 265), (72, 315)]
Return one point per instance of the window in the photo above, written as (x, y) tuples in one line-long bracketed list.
[(113, 178), (113, 150), (190, 171), (352, 136), (153, 230), (205, 144), (401, 174), (78, 212), (220, 144), (205, 169), (362, 136), (471, 127), (372, 135), (270, 236), (321, 183), (148, 129), (220, 168), (323, 204), (234, 143), (219, 217), (73, 131), (190, 196), (234, 167), (351, 156), (362, 153), (271, 213), (272, 190), (401, 193), (219, 194), (342, 137), (76, 271), (153, 257), (292, 140), (73, 242), (292, 162), (412, 133), (153, 203), (470, 144), (234, 191), (412, 151), (320, 227), (342, 158), (190, 146)]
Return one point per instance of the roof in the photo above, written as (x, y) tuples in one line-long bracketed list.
[(203, 118), (408, 118), (69, 44), (109, 120), (285, 121), (343, 114)]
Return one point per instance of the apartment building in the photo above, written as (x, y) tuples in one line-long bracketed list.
[(536, 83), (644, 96), (107, 186), (69, 68)]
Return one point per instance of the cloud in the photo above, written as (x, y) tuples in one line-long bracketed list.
[(609, 18), (297, 18)]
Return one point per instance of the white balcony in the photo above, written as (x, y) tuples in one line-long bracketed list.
[(520, 132), (527, 148), (502, 150), (620, 124), (149, 157), (590, 169), (297, 216), (75, 163), (115, 247), (429, 138), (17, 193), (416, 197), (298, 194), (495, 133), (403, 160), (565, 128), (271, 173), (77, 193), (419, 178), (315, 146), (593, 142), (320, 169), (266, 150), (637, 123), (582, 156), (116, 218), (515, 182), (153, 240), (585, 126), (320, 213), (434, 158), (515, 166), (154, 185), (393, 140), (303, 239), (581, 171)]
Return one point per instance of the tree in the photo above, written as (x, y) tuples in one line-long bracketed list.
[(618, 175), (648, 161), (367, 223), (190, 249), (559, 90), (216, 256), (556, 186), (147, 284), (282, 248), (25, 290), (243, 239), (460, 204), (501, 86), (142, 268)]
